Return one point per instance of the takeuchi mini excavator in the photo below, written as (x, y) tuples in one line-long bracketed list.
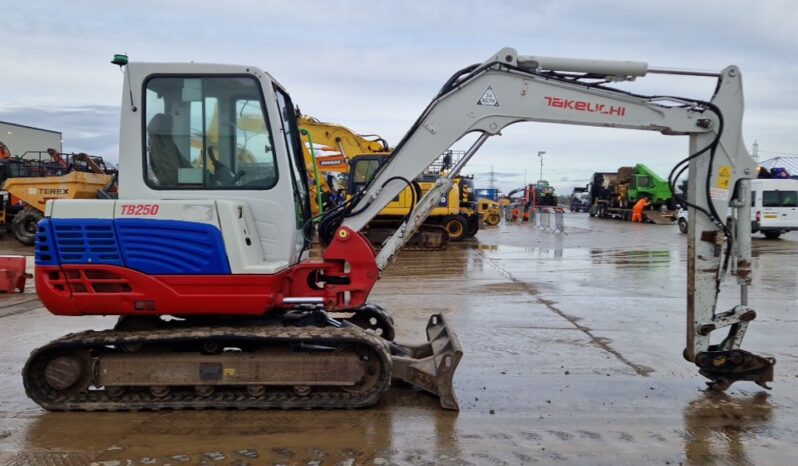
[(220, 305)]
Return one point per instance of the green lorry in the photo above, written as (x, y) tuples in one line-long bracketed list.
[(614, 194)]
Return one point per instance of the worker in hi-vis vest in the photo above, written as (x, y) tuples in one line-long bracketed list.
[(637, 210)]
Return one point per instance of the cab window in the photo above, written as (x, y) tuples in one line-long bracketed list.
[(779, 198), (641, 181), (207, 133), (362, 172)]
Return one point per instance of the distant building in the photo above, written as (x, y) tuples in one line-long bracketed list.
[(16, 140), (788, 163)]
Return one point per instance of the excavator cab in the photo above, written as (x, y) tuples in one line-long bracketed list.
[(225, 134)]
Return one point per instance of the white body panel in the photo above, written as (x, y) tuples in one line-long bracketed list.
[(80, 208)]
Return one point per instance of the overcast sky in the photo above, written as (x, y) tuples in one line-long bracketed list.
[(374, 65)]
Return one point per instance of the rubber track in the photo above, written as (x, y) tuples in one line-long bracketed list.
[(224, 397)]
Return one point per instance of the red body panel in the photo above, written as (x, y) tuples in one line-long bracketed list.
[(88, 289)]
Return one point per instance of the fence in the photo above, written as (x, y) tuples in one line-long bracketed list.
[(545, 216)]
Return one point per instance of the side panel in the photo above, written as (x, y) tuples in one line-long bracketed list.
[(167, 247), (240, 240), (152, 247), (190, 237), (113, 290)]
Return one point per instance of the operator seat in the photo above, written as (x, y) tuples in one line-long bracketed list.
[(165, 157)]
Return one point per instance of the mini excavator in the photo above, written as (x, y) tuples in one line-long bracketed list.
[(220, 304)]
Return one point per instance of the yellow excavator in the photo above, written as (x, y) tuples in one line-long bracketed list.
[(453, 219), (327, 150)]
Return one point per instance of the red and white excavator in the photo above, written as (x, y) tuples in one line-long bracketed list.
[(205, 255)]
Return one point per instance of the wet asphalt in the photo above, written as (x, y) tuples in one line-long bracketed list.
[(572, 346)]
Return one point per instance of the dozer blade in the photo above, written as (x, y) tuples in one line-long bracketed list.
[(431, 366)]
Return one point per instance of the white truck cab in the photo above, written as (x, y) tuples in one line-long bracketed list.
[(774, 207)]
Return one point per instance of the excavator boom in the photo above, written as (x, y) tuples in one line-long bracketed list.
[(509, 88)]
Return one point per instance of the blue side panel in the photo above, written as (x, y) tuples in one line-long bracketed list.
[(77, 241), (45, 252), (156, 247), (169, 247)]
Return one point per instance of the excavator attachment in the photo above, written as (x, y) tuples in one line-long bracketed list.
[(431, 366), (724, 368)]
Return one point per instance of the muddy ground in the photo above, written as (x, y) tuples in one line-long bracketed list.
[(572, 346)]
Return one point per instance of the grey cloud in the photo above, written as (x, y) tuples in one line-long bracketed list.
[(92, 128), (373, 65)]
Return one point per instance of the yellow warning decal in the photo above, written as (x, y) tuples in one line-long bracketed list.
[(724, 177), (230, 372)]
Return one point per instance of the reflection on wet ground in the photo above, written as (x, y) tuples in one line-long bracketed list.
[(717, 427), (572, 355)]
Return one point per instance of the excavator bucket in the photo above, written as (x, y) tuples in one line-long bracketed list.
[(431, 366)]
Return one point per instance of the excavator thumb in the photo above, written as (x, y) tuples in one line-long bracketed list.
[(430, 366)]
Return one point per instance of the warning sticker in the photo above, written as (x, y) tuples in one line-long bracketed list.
[(719, 194), (489, 98), (724, 177)]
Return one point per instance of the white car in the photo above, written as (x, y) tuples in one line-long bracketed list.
[(774, 207), (682, 220)]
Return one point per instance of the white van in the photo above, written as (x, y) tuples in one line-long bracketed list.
[(774, 207)]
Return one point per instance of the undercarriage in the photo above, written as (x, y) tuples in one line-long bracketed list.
[(304, 359)]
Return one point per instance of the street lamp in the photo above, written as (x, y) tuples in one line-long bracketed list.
[(540, 154)]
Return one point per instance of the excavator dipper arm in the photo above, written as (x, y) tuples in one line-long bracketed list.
[(509, 88)]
